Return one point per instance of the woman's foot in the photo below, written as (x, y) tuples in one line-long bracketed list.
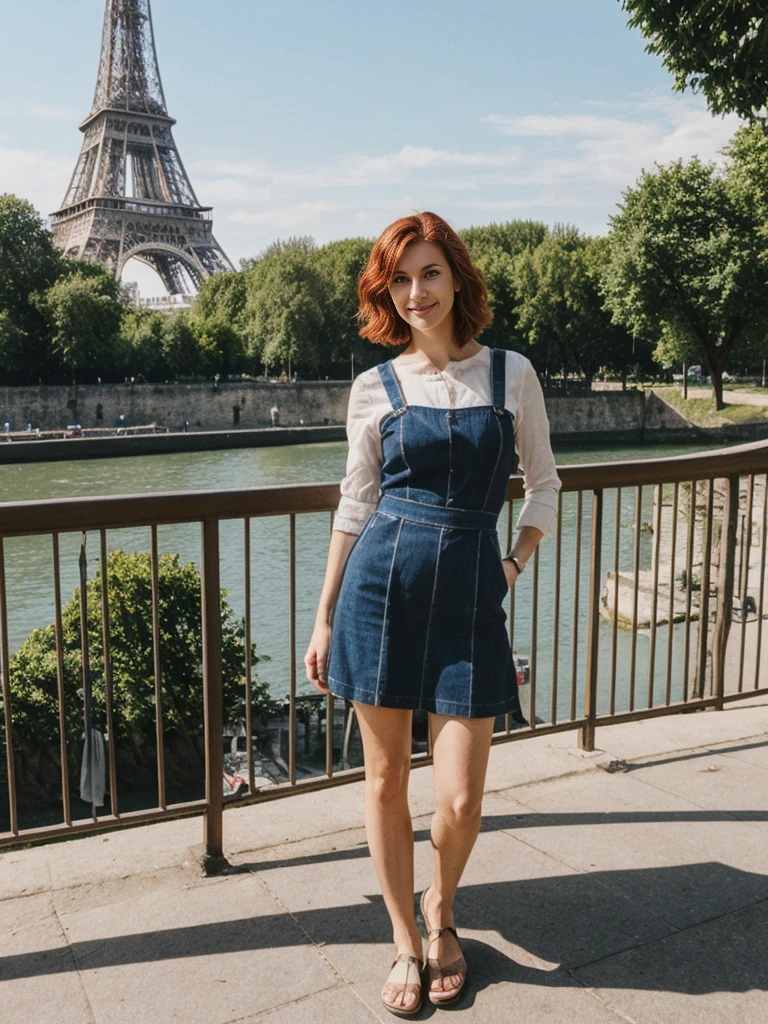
[(446, 966), (402, 992)]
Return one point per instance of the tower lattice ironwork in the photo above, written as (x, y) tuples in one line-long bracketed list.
[(129, 195)]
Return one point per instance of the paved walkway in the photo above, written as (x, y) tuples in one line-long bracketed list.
[(731, 397), (606, 897)]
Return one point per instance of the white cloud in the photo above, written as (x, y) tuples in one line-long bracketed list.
[(39, 177), (229, 190), (47, 112), (286, 216), (613, 149)]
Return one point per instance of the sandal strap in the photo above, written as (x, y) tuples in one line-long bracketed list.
[(435, 934), (408, 959)]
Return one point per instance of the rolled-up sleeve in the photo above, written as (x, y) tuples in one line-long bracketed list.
[(360, 486), (540, 480)]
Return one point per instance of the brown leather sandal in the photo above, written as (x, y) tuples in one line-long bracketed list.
[(437, 970), (405, 986)]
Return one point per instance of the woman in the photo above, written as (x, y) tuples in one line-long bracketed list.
[(415, 578)]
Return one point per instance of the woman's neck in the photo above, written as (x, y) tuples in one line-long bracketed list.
[(439, 351)]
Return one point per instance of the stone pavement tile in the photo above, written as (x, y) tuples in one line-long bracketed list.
[(715, 781), (337, 1005), (202, 955), (542, 912), (330, 887), (680, 862), (714, 972), (296, 818), (754, 752), (655, 736), (540, 757), (24, 871), (107, 891), (22, 911), (531, 906), (501, 988), (122, 853), (38, 974)]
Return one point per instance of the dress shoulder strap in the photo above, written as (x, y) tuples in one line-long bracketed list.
[(391, 385), (498, 377)]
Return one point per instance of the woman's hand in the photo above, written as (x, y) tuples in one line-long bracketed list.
[(316, 658), (510, 572)]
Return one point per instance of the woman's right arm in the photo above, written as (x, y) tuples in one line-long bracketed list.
[(316, 658), (359, 496)]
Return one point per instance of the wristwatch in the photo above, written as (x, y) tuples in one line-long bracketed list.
[(514, 561)]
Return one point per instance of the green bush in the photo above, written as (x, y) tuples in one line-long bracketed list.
[(33, 669)]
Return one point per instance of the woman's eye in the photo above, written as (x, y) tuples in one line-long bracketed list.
[(432, 273), (399, 280)]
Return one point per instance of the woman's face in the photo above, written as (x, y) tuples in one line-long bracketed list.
[(423, 287)]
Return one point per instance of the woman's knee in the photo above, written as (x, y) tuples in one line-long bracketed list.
[(460, 809), (387, 781)]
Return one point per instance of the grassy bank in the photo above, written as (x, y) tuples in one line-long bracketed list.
[(701, 411)]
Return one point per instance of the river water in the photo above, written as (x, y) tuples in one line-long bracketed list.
[(30, 576)]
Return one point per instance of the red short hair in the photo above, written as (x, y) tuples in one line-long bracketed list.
[(381, 323)]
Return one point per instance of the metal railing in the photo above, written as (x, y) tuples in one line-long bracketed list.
[(627, 613)]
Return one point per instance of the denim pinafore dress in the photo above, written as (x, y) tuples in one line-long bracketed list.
[(419, 621)]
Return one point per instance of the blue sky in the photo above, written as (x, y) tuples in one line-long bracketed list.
[(333, 118)]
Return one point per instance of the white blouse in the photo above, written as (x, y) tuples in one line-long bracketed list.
[(460, 385)]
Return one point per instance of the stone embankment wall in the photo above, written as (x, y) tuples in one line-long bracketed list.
[(604, 417), (621, 417), (207, 406)]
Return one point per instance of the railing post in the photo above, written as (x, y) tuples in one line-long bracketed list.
[(725, 576), (587, 731), (212, 696)]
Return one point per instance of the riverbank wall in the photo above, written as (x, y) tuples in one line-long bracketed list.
[(206, 406), (200, 417)]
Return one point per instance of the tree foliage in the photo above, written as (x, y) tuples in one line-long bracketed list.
[(688, 268), (33, 669), (717, 47), (561, 309), (29, 264), (84, 315), (340, 265), (284, 306)]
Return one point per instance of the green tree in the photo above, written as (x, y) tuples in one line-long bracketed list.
[(29, 264), (340, 265), (284, 308), (181, 353), (716, 47), (561, 311), (688, 268), (33, 669), (84, 314), (218, 322), (494, 249), (141, 334)]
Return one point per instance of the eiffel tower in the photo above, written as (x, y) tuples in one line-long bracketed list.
[(130, 195)]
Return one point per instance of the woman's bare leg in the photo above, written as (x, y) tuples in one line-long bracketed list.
[(460, 748), (386, 734)]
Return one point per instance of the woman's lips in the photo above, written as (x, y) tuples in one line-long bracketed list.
[(422, 310)]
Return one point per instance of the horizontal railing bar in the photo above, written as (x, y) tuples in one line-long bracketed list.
[(106, 822), (22, 518), (185, 810)]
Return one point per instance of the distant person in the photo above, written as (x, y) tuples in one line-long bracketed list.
[(274, 414), (410, 614)]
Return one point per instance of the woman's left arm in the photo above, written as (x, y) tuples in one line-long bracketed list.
[(540, 480)]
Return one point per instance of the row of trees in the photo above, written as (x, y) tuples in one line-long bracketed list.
[(681, 277)]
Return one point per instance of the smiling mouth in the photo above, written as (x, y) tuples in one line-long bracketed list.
[(421, 310)]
